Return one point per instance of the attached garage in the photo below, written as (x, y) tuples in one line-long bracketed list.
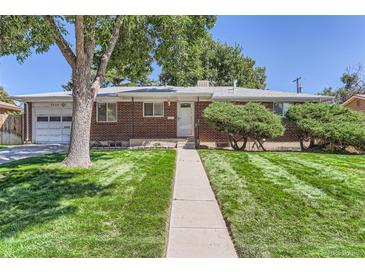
[(51, 123)]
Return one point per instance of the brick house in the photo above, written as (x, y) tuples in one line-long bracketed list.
[(356, 102), (124, 114)]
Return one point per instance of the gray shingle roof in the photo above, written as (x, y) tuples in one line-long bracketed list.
[(215, 93)]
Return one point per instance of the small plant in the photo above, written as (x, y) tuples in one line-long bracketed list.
[(244, 122)]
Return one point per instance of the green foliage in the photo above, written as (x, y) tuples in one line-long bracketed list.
[(219, 63), (243, 122), (20, 35), (4, 96), (332, 125), (353, 80)]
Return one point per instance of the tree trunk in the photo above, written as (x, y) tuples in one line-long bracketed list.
[(301, 142), (311, 143), (243, 147), (79, 150), (84, 87), (261, 145)]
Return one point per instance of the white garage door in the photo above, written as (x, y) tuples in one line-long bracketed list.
[(53, 125)]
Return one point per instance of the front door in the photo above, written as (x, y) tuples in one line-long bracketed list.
[(185, 119)]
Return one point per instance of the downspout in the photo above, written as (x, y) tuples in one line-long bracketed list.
[(26, 122), (133, 117), (197, 126), (24, 133)]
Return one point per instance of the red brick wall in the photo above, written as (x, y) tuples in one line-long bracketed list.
[(209, 134), (154, 127), (144, 127)]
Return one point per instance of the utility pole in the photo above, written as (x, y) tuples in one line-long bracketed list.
[(299, 86)]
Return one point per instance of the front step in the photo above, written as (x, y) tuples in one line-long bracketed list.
[(188, 144)]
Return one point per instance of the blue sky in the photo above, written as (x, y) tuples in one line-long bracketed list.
[(317, 48)]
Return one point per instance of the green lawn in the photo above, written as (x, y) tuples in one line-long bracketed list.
[(291, 204), (117, 208), (6, 146)]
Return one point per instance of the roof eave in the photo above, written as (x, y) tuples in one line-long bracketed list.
[(42, 99), (272, 99)]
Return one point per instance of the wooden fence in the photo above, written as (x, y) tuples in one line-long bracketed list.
[(11, 129)]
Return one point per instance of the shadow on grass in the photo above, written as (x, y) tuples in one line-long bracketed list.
[(45, 159), (34, 195)]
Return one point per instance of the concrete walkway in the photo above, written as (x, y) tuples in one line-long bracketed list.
[(25, 151), (197, 228)]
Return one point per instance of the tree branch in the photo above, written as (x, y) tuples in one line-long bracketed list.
[(90, 29), (61, 42), (80, 33), (104, 59)]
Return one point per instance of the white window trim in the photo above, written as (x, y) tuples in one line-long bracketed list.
[(153, 109), (116, 113)]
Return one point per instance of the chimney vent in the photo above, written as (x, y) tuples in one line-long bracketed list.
[(203, 83)]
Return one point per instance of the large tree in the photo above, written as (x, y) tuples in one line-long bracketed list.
[(353, 82), (217, 62), (96, 39), (4, 96)]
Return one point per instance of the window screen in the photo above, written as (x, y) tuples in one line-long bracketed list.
[(148, 109), (158, 109), (42, 119), (107, 112), (112, 112), (102, 112), (278, 108), (66, 118), (55, 118), (185, 105)]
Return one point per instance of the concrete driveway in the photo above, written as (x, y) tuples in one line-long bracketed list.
[(25, 151)]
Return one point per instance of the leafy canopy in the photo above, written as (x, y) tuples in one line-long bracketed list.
[(330, 124), (211, 60), (353, 80), (142, 40), (4, 96), (241, 122)]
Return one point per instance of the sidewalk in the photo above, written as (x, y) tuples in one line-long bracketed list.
[(197, 228)]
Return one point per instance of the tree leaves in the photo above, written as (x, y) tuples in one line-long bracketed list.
[(251, 120), (353, 80), (329, 124)]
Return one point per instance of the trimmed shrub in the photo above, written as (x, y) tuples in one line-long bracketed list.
[(243, 122), (327, 125)]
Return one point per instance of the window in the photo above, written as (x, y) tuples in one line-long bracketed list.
[(106, 112), (153, 109), (55, 118), (42, 118), (281, 108), (66, 118), (185, 105), (357, 102)]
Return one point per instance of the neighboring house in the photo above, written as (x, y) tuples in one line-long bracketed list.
[(121, 114), (356, 102), (10, 125), (6, 107)]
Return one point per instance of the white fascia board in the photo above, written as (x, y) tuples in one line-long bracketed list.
[(272, 99), (42, 99)]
